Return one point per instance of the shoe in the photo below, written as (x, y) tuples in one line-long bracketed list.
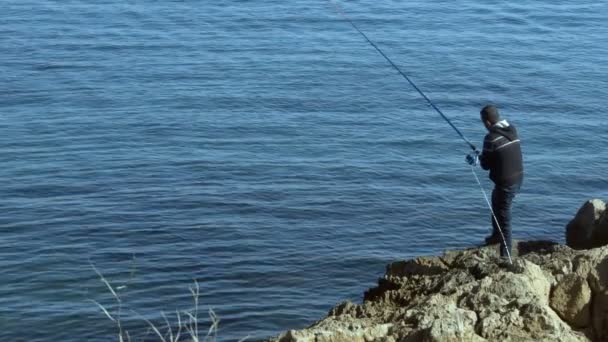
[(493, 239)]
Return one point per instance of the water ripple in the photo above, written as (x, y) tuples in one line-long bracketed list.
[(264, 149)]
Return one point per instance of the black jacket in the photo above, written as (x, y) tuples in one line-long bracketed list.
[(502, 154)]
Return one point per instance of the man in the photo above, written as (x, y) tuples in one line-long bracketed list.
[(502, 156)]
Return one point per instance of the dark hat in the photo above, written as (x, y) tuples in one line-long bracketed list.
[(490, 113)]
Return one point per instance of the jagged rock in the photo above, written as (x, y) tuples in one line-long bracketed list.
[(346, 308), (418, 266), (440, 319), (589, 228), (550, 293), (600, 316), (330, 330), (571, 298)]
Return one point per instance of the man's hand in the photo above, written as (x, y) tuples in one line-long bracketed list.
[(472, 158)]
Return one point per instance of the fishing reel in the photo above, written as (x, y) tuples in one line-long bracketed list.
[(473, 158)]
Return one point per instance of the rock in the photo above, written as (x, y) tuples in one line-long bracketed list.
[(550, 293), (441, 320), (418, 266), (600, 316), (571, 299), (589, 228), (346, 308), (330, 330)]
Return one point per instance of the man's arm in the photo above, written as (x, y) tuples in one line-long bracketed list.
[(486, 159)]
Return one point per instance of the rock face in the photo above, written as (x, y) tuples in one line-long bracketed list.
[(589, 228), (550, 293), (571, 299)]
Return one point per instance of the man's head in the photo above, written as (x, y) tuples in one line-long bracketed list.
[(489, 115)]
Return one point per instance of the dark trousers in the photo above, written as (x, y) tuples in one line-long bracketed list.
[(502, 198)]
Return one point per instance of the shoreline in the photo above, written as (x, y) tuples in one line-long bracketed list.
[(550, 292)]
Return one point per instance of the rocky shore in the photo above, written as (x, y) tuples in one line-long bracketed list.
[(551, 292)]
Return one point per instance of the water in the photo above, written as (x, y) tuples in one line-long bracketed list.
[(264, 149)]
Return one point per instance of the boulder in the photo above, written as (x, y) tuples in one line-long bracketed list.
[(335, 330), (589, 228), (571, 299), (549, 293)]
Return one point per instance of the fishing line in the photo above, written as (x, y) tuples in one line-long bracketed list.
[(493, 215), (428, 100), (407, 78)]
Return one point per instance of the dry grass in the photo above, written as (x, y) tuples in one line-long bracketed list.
[(186, 327)]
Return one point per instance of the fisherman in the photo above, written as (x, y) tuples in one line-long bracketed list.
[(502, 156)]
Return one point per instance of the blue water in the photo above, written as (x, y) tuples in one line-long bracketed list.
[(264, 149)]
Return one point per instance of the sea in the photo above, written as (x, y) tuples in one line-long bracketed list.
[(263, 154)]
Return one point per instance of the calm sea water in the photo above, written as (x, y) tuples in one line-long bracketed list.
[(264, 149)]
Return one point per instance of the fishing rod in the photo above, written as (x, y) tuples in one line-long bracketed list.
[(407, 78), (428, 100)]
